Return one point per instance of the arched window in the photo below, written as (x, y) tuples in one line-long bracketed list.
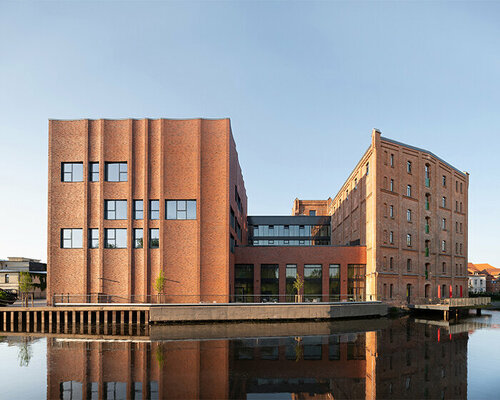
[(408, 240)]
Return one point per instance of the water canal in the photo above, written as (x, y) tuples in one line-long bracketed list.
[(364, 359)]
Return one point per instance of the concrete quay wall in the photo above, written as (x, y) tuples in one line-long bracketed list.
[(263, 312)]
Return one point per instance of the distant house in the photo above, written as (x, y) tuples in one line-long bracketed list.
[(483, 272), (13, 266)]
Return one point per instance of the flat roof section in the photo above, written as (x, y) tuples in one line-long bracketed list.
[(288, 220)]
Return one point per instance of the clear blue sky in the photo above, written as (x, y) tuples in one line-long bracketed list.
[(303, 83)]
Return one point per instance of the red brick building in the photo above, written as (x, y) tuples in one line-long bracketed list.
[(132, 199)]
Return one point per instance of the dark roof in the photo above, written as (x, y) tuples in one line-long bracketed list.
[(288, 220), (422, 150)]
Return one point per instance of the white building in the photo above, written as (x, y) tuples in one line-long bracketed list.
[(477, 283)]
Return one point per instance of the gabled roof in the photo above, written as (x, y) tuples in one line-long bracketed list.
[(483, 269)]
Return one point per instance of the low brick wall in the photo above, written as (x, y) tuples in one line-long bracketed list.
[(264, 312)]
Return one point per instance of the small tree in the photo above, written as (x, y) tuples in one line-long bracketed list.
[(25, 286), (160, 283), (297, 285)]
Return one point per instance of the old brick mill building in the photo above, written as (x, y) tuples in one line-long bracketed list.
[(130, 198)]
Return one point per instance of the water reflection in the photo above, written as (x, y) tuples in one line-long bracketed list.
[(403, 359)]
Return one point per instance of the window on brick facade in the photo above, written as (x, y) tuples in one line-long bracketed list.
[(93, 238), (181, 209), (391, 187), (367, 168), (408, 215), (94, 172), (443, 224), (444, 180), (154, 238), (115, 238), (408, 264), (408, 167), (408, 240), (138, 210), (408, 190), (391, 211), (71, 238), (391, 237), (443, 202), (392, 160), (138, 238), (72, 172), (116, 172), (154, 209), (443, 246), (115, 209)]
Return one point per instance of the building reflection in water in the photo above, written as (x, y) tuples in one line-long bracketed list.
[(403, 360)]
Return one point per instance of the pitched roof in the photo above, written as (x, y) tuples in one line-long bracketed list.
[(483, 268)]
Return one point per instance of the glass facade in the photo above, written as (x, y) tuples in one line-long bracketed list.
[(334, 282), (291, 276), (243, 283), (269, 282), (312, 282), (356, 281), (289, 235)]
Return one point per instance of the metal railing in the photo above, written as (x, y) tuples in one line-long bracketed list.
[(452, 301), (103, 298)]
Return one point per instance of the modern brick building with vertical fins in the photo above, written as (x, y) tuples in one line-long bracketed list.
[(129, 199)]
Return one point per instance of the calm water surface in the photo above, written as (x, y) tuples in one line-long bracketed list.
[(382, 358)]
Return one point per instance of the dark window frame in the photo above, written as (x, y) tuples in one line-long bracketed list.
[(93, 174), (93, 241), (154, 209), (122, 171), (154, 238), (136, 210), (64, 238), (108, 239), (180, 211), (108, 209), (71, 172)]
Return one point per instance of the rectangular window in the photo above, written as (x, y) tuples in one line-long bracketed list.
[(72, 172), (443, 224), (313, 212), (138, 238), (408, 240), (154, 238), (138, 209), (443, 246), (115, 209), (71, 238), (312, 282), (408, 264), (391, 211), (408, 190), (461, 187), (291, 276), (443, 202), (408, 167), (444, 180), (93, 238), (392, 160), (391, 187), (232, 220), (356, 278), (94, 172), (461, 248), (232, 243), (391, 237), (115, 238), (367, 168), (334, 276), (181, 209), (269, 278), (408, 215), (237, 199), (116, 172), (7, 278), (154, 209), (243, 283)]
